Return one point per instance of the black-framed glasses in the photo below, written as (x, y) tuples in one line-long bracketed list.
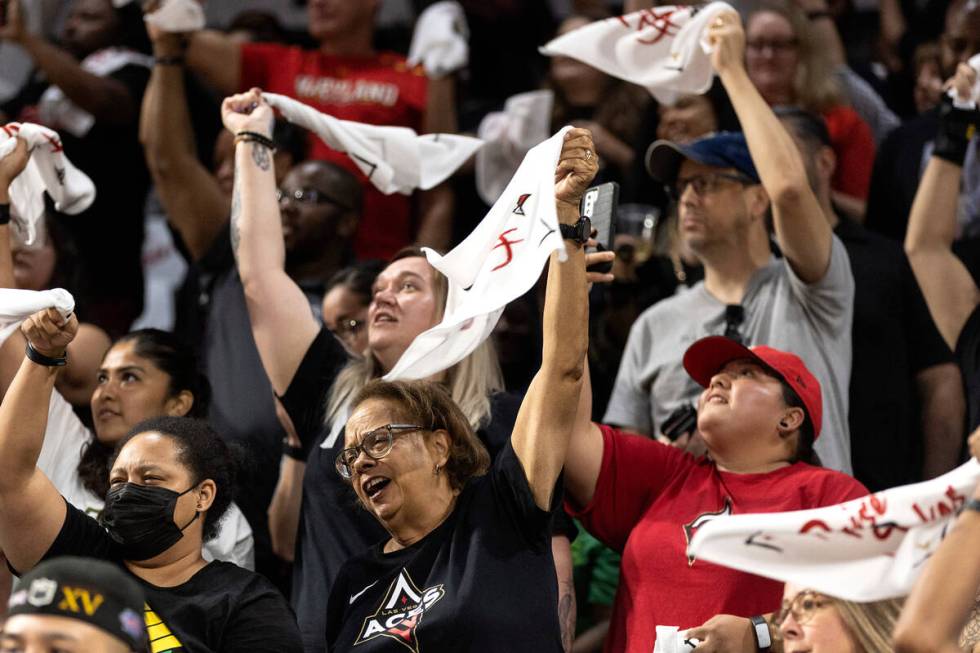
[(803, 606), (704, 184), (347, 329), (303, 196), (734, 316), (375, 444)]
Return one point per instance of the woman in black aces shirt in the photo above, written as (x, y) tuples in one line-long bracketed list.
[(467, 566), (170, 483)]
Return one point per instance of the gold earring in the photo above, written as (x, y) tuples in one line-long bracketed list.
[(435, 470)]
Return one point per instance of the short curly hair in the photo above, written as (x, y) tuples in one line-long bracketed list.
[(205, 455), (429, 405)]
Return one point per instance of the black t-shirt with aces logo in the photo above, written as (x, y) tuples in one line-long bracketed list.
[(484, 580)]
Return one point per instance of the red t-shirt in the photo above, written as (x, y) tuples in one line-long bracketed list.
[(854, 146), (380, 90), (649, 500)]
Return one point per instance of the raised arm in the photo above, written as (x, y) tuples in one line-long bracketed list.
[(105, 98), (940, 603), (31, 509), (544, 422), (282, 323), (190, 194), (216, 57), (803, 233), (950, 291)]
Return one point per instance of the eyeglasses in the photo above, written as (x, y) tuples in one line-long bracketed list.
[(375, 444), (734, 316), (776, 46), (347, 329), (803, 606), (704, 184), (303, 196)]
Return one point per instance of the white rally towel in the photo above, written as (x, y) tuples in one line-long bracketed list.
[(395, 159), (670, 639), (496, 264), (59, 112), (439, 42), (663, 49), (867, 549), (508, 135), (16, 305), (47, 170), (177, 16), (970, 102)]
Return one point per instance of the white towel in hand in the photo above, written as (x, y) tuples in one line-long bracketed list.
[(177, 16), (439, 42), (663, 49), (16, 305), (48, 170), (508, 135), (496, 264), (395, 159)]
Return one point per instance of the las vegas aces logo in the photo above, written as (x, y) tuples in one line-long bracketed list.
[(400, 612)]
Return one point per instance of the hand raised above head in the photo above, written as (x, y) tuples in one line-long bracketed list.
[(12, 26), (727, 38), (577, 166), (962, 82), (247, 112), (49, 333)]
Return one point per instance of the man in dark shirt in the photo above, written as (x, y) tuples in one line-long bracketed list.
[(906, 424)]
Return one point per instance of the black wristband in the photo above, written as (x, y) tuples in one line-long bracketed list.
[(972, 504), (254, 137), (956, 128), (47, 361), (296, 453), (820, 13), (4, 214), (171, 60)]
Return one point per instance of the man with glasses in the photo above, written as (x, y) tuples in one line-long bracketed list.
[(726, 187)]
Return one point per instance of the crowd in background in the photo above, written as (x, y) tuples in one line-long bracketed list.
[(241, 288)]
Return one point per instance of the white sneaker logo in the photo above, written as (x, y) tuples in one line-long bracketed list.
[(354, 597)]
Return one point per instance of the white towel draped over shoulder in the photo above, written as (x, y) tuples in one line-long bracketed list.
[(508, 135), (663, 49), (47, 170), (439, 42), (497, 263), (395, 159), (866, 549)]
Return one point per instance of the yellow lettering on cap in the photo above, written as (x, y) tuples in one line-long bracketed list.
[(73, 595)]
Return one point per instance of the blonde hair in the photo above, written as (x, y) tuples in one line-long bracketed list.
[(870, 624), (815, 86), (470, 382)]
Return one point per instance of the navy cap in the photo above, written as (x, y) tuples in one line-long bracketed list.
[(720, 149)]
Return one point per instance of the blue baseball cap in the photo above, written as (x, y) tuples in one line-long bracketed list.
[(720, 149)]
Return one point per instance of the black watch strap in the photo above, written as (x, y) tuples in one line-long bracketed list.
[(972, 504), (47, 361), (578, 232), (4, 214)]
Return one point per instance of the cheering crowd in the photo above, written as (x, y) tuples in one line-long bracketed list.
[(308, 343)]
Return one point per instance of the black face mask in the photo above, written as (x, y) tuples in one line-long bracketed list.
[(140, 518)]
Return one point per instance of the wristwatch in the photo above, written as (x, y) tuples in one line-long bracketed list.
[(578, 232), (972, 504), (763, 640)]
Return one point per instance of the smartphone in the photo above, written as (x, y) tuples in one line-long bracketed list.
[(681, 421), (599, 204)]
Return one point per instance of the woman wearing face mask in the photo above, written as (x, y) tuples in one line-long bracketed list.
[(316, 380), (170, 483), (816, 623)]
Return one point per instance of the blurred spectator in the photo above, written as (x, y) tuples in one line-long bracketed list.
[(320, 204), (348, 79), (903, 155), (726, 185), (815, 622), (91, 94), (693, 116), (254, 26), (72, 604), (907, 425), (928, 77), (788, 66), (345, 304)]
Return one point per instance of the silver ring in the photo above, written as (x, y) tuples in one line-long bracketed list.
[(588, 155)]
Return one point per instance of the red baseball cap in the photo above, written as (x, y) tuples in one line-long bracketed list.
[(708, 356)]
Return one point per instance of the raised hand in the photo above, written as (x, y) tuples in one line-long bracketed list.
[(49, 333), (727, 38), (12, 28), (962, 82), (13, 164), (247, 112), (577, 167)]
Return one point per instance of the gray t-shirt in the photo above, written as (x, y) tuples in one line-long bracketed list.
[(812, 321)]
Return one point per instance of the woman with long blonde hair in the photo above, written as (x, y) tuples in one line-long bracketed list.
[(818, 623)]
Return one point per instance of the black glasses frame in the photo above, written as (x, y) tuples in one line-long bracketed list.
[(383, 436), (704, 183)]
